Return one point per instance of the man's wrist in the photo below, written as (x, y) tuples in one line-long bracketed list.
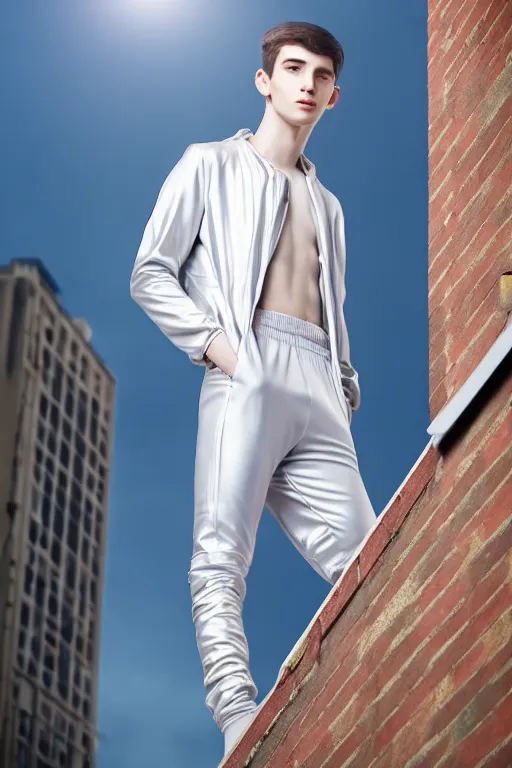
[(212, 338)]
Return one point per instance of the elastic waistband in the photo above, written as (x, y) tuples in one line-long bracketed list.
[(291, 329)]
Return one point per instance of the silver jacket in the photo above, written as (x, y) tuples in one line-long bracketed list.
[(205, 250)]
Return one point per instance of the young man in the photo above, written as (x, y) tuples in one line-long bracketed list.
[(242, 266)]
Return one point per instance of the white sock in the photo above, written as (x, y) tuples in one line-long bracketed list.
[(237, 728)]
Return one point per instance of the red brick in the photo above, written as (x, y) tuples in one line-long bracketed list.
[(465, 90), (467, 334), (319, 716), (467, 293), (487, 733), (464, 230), (492, 239), (476, 22), (469, 204), (458, 374)]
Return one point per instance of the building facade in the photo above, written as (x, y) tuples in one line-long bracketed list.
[(56, 430)]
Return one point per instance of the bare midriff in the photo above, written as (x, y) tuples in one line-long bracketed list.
[(291, 282)]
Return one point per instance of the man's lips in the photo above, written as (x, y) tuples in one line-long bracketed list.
[(306, 103)]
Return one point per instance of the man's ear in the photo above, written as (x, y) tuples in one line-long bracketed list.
[(262, 82), (334, 97)]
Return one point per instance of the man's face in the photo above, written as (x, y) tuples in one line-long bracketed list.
[(299, 75)]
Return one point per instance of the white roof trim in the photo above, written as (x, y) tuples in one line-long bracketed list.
[(445, 420)]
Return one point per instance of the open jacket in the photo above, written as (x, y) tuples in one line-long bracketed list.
[(204, 253)]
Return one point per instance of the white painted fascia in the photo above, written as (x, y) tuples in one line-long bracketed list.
[(446, 418)]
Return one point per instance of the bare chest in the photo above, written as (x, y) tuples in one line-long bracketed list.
[(297, 243)]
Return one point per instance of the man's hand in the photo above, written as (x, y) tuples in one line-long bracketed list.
[(222, 354)]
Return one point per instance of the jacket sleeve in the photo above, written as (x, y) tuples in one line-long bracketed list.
[(349, 375), (167, 241)]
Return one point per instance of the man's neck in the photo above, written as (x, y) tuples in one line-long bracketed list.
[(280, 143)]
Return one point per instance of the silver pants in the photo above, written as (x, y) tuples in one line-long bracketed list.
[(275, 433)]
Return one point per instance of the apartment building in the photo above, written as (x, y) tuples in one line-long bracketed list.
[(56, 429)]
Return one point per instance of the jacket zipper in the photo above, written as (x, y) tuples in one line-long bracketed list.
[(335, 368), (325, 271), (286, 198)]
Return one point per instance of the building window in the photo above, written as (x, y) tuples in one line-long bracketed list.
[(80, 637), (91, 482), (43, 405), (29, 578), (60, 493), (41, 431), (33, 531), (84, 368), (88, 516), (56, 551), (44, 741), (43, 539), (47, 365), (49, 663), (98, 529), (93, 430), (66, 429), (62, 479), (95, 561), (25, 725), (58, 522), (48, 334), (40, 589), (70, 571), (78, 468), (69, 404), (83, 590), (46, 508), (61, 344), (82, 411), (72, 536), (64, 671), (57, 381), (67, 625), (52, 441), (85, 550), (64, 453), (25, 614), (76, 491), (35, 647)]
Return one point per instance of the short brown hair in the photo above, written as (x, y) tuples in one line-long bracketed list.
[(315, 39)]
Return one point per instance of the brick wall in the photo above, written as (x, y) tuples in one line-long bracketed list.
[(470, 168)]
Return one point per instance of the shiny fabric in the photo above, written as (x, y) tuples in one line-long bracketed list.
[(276, 433), (205, 250)]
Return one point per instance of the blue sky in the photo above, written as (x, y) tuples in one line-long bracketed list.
[(101, 99)]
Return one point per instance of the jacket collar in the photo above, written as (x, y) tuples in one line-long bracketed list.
[(244, 133)]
